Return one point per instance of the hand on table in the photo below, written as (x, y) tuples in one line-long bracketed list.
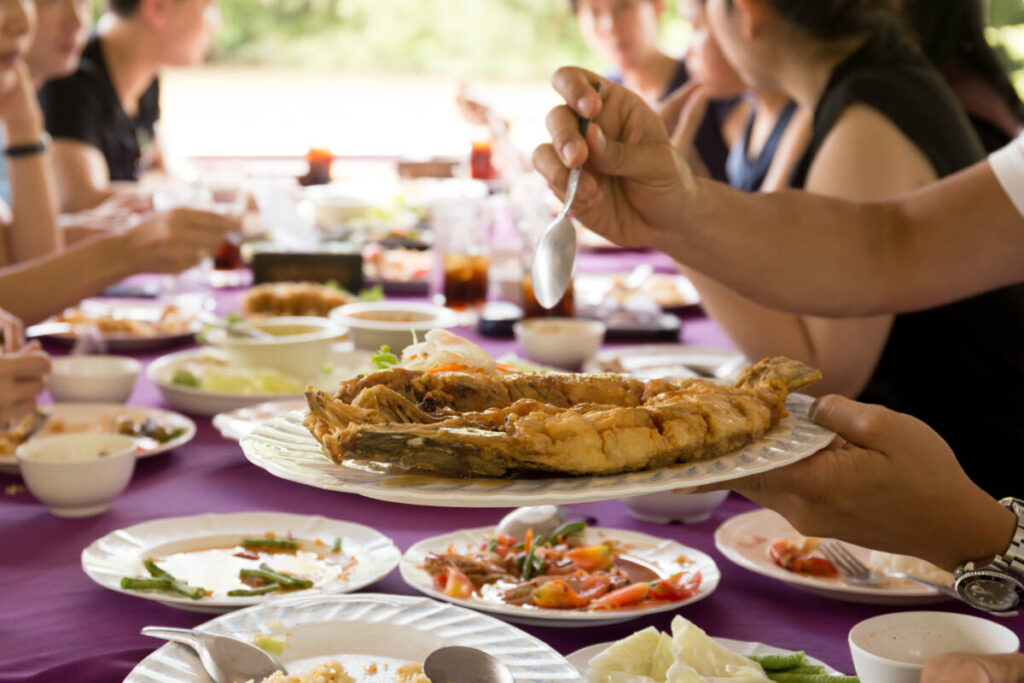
[(634, 184), (968, 668), (887, 482), (21, 380), (175, 240)]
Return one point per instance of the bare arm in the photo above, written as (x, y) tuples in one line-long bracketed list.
[(83, 179), (167, 242), (33, 228), (790, 250)]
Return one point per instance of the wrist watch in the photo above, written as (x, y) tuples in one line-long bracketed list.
[(997, 587)]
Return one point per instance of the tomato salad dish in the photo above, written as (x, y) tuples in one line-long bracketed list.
[(559, 571)]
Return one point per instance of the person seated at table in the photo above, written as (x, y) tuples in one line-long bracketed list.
[(960, 667), (952, 36), (31, 230), (103, 118), (22, 369), (885, 123), (774, 134)]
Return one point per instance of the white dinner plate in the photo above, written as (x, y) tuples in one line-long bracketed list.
[(237, 424), (673, 361), (668, 557), (745, 540), (361, 630), (83, 416), (122, 552), (136, 309), (195, 401), (286, 449), (581, 658)]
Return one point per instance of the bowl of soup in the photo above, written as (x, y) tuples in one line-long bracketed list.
[(392, 323), (296, 345)]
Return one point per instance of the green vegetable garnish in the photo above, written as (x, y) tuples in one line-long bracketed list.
[(274, 543), (185, 378), (233, 318), (566, 530), (333, 284), (383, 359), (248, 593), (268, 643), (375, 293), (336, 548)]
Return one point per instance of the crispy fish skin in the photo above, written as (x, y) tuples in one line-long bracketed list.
[(465, 424)]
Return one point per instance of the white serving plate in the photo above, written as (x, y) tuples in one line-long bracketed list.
[(581, 658), (662, 554), (744, 539), (361, 629), (121, 552), (286, 449), (91, 413), (237, 424)]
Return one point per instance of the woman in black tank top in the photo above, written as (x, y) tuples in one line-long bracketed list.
[(884, 123)]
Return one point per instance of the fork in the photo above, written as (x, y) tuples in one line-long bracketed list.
[(856, 572)]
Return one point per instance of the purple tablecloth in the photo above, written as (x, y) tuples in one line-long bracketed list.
[(57, 625)]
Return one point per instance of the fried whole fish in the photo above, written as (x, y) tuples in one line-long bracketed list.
[(469, 424)]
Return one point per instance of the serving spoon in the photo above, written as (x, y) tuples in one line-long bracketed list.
[(555, 253), (225, 659), (457, 664)]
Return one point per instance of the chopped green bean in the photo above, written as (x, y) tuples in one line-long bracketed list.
[(143, 584), (272, 543), (286, 581), (566, 530), (245, 593), (336, 548), (177, 585)]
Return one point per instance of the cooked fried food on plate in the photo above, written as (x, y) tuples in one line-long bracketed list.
[(294, 298), (472, 419)]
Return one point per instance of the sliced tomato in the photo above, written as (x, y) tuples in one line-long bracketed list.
[(457, 584), (680, 586), (623, 597), (592, 558), (558, 595)]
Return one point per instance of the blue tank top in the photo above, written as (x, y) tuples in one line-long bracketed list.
[(748, 174)]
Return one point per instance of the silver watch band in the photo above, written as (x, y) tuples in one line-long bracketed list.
[(1012, 561)]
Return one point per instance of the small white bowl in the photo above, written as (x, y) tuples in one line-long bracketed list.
[(375, 324), (300, 345), (667, 507), (77, 475), (562, 342), (894, 647), (93, 379)]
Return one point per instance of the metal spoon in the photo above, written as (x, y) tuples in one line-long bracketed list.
[(458, 664), (225, 659), (555, 253), (543, 519)]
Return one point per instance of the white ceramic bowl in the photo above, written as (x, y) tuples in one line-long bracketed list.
[(77, 475), (563, 342), (300, 345), (894, 647), (95, 379), (667, 507), (375, 324)]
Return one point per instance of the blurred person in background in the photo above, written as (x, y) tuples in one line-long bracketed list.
[(103, 117), (952, 37), (774, 131)]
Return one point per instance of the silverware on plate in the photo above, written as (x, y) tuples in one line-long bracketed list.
[(856, 572), (226, 659)]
